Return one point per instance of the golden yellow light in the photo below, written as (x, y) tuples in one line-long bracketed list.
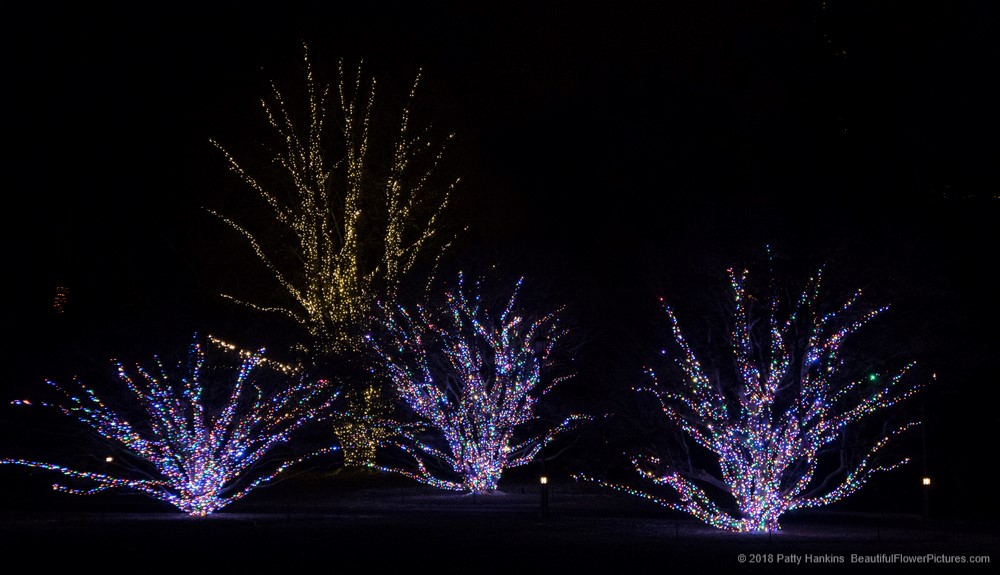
[(365, 427), (356, 228)]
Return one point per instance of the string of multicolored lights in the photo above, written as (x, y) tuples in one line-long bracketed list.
[(769, 427), (473, 379), (201, 457), (358, 228)]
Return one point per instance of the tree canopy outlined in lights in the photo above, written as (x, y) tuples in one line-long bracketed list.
[(768, 423), (198, 436), (473, 377)]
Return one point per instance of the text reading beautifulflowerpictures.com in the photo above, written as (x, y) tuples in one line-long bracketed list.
[(878, 558)]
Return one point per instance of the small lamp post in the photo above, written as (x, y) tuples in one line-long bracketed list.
[(539, 347), (925, 481), (543, 484)]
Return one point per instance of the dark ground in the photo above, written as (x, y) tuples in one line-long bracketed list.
[(338, 521)]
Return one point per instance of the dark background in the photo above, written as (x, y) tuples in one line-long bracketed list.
[(610, 154)]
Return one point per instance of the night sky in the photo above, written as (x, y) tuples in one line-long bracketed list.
[(609, 154)]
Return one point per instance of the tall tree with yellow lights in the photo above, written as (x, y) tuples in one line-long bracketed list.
[(354, 211)]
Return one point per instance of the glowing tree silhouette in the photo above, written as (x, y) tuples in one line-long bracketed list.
[(354, 209), (790, 401), (355, 212), (195, 454), (473, 379)]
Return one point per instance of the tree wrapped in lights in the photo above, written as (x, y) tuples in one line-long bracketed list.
[(790, 402), (364, 426), (184, 449), (473, 379), (356, 213)]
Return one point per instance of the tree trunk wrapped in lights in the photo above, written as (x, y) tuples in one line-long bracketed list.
[(359, 212), (788, 404), (182, 448), (473, 378), (364, 426)]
